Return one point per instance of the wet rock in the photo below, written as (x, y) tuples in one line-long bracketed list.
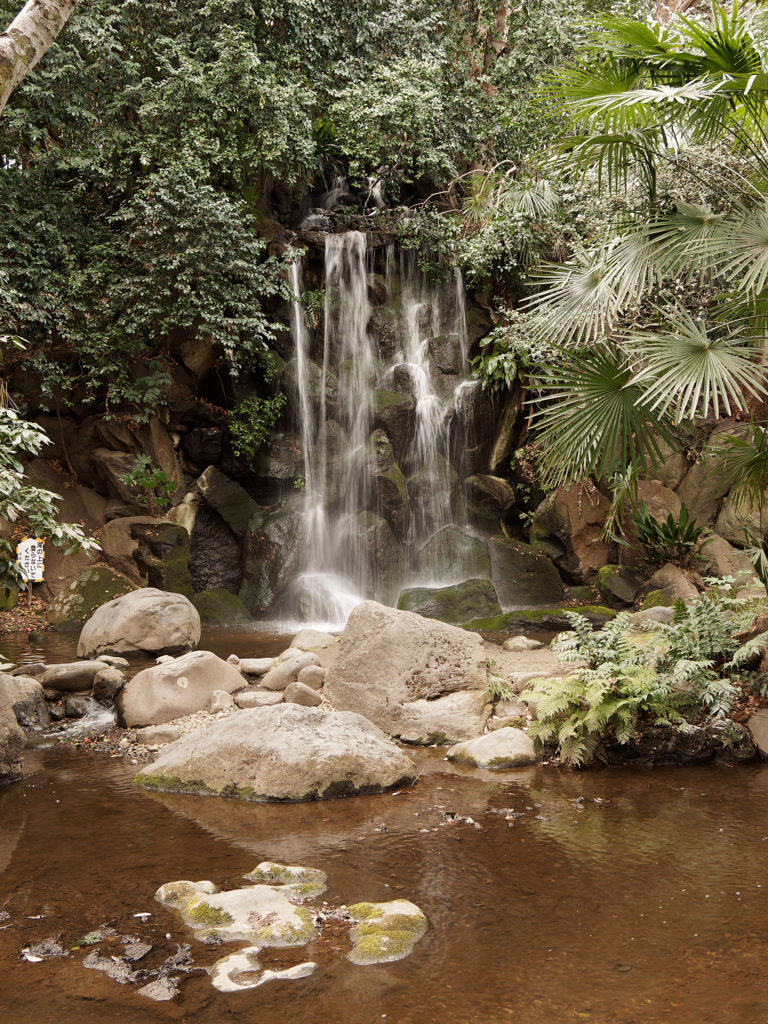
[(312, 676), (304, 881), (618, 585), (215, 552), (218, 607), (158, 734), (285, 752), (114, 662), (202, 446), (723, 741), (388, 484), (567, 528), (540, 619), (12, 740), (307, 639), (162, 990), (150, 552), (385, 932), (164, 692), (143, 620), (673, 581), (27, 701), (74, 677), (523, 577), (453, 555), (235, 506), (107, 684), (386, 561), (416, 678), (435, 497), (472, 599), (522, 643), (272, 553), (488, 500), (287, 671), (258, 698), (395, 415), (75, 707), (503, 748), (220, 701), (238, 971), (299, 693)]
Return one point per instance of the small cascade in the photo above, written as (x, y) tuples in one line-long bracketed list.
[(374, 503)]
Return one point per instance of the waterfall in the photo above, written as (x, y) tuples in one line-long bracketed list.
[(372, 502)]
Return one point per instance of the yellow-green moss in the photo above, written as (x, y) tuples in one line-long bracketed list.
[(364, 911), (203, 915), (287, 935)]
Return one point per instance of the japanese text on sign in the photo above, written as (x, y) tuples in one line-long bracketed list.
[(30, 555)]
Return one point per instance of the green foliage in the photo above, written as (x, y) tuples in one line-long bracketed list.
[(498, 689), (154, 482), (673, 540), (313, 306), (251, 422)]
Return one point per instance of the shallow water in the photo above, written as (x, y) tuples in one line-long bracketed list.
[(651, 906)]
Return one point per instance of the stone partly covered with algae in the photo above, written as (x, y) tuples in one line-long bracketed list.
[(294, 881), (259, 914), (384, 932), (242, 970)]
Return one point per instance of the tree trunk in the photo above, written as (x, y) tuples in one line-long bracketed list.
[(666, 9), (27, 38)]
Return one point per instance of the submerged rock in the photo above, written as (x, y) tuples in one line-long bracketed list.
[(385, 932), (242, 970), (504, 748), (286, 752), (300, 881), (144, 620)]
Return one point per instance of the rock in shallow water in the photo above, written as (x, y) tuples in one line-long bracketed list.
[(503, 748), (286, 752), (385, 932), (144, 620)]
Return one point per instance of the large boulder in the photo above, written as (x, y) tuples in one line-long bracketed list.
[(736, 519), (568, 526), (143, 620), (26, 698), (215, 552), (89, 591), (286, 752), (72, 676), (12, 742), (473, 599), (272, 553), (151, 552), (218, 607), (705, 484), (452, 555), (619, 586), (723, 559), (522, 575), (673, 581), (489, 500), (235, 506), (416, 678), (504, 748), (176, 688)]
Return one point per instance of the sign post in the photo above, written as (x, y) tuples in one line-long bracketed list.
[(30, 554)]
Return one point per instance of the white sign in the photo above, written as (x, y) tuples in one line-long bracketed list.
[(30, 555)]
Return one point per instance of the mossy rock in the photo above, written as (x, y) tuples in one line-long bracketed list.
[(542, 618), (385, 932), (585, 595), (657, 599), (8, 599), (618, 585), (91, 589), (219, 607), (471, 599), (294, 881), (522, 575), (163, 549)]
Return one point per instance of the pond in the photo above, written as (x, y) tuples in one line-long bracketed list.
[(614, 895)]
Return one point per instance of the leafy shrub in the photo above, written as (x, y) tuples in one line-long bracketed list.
[(668, 541), (154, 482)]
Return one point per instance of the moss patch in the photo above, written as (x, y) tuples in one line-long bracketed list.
[(542, 617), (657, 599), (203, 915)]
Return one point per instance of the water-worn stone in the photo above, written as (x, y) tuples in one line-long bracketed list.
[(181, 687), (235, 506), (287, 671), (673, 580), (219, 607), (521, 643), (72, 677), (242, 970), (413, 677), (300, 693), (568, 526), (722, 740), (385, 932), (307, 639), (453, 555), (220, 701), (312, 676), (503, 748), (89, 591), (158, 734), (259, 698), (435, 497), (75, 707), (472, 599), (12, 742), (522, 576), (113, 662), (395, 415), (758, 726), (285, 752), (143, 620), (618, 585), (26, 698), (107, 684), (215, 551), (388, 485), (255, 666)]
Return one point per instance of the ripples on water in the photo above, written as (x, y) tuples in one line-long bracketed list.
[(649, 906)]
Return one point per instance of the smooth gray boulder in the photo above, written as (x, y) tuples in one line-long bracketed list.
[(285, 752), (255, 666), (416, 678), (287, 671), (27, 701), (107, 684), (299, 693), (503, 748), (158, 734), (143, 620), (180, 687), (306, 639), (73, 677), (312, 676)]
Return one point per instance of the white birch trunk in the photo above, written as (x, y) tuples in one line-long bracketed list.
[(27, 38)]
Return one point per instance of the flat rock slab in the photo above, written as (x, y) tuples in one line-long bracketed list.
[(144, 620), (385, 932), (503, 748), (176, 688), (242, 970), (259, 698), (286, 752), (309, 638)]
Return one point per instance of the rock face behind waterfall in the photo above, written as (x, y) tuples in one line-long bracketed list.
[(143, 620), (416, 678), (281, 753)]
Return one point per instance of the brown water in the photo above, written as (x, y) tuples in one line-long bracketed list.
[(651, 906)]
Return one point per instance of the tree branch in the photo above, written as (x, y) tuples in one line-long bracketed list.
[(27, 38)]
